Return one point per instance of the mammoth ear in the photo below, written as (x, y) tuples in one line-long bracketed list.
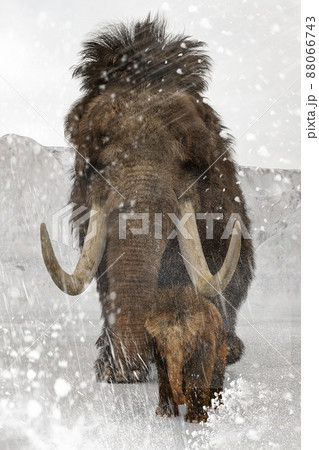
[(73, 119), (211, 142)]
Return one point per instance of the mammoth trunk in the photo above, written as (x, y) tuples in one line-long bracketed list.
[(134, 264)]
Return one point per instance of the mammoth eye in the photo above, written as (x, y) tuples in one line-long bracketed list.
[(185, 140)]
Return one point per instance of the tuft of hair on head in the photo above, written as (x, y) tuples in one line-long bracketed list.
[(142, 55)]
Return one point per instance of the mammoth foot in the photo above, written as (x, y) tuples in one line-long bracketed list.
[(105, 372), (167, 410), (235, 348), (217, 398), (196, 416)]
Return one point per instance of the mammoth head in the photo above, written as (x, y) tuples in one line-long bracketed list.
[(145, 144)]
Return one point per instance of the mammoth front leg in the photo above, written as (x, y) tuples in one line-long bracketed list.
[(236, 348), (104, 366), (166, 405), (217, 383), (198, 376), (228, 311)]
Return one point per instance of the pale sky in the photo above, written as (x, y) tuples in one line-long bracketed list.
[(255, 84)]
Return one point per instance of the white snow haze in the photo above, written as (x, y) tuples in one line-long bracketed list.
[(49, 398)]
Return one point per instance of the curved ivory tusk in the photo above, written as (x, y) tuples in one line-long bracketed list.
[(89, 261), (194, 259)]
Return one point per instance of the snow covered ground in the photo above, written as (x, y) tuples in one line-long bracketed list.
[(48, 396)]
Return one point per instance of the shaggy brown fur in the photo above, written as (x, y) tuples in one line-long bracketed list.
[(142, 56), (190, 345), (143, 128)]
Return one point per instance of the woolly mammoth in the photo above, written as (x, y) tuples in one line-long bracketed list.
[(147, 143), (190, 347)]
